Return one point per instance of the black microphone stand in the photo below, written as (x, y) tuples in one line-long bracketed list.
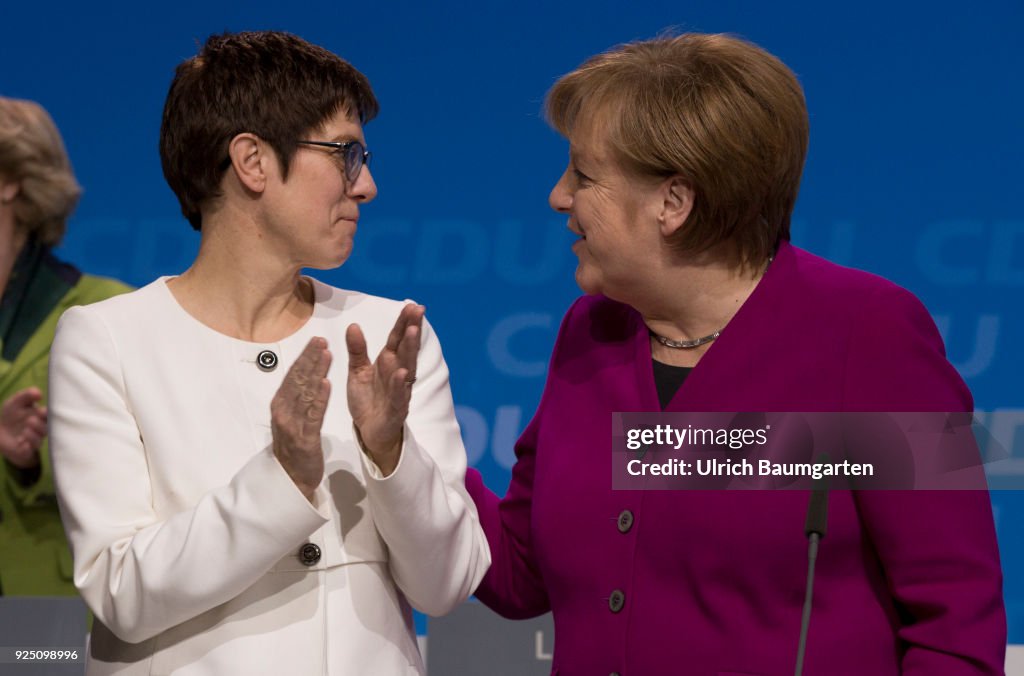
[(814, 528)]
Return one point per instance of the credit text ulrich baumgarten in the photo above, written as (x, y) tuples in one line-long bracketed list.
[(637, 439)]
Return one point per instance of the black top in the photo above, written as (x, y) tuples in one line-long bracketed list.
[(668, 379)]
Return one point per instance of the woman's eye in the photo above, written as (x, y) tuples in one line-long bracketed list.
[(580, 176)]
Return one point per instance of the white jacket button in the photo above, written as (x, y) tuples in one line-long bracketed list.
[(309, 554), (266, 360)]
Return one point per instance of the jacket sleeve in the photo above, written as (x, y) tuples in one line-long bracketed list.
[(141, 574), (938, 549), (437, 550), (514, 587)]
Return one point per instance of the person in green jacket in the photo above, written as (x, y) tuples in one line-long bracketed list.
[(38, 191)]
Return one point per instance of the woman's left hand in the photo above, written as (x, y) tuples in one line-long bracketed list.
[(379, 391)]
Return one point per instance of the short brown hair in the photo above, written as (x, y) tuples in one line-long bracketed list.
[(720, 111), (271, 84), (32, 154)]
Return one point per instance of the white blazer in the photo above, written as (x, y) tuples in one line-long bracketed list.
[(186, 531)]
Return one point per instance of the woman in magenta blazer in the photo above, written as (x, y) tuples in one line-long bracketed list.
[(685, 161)]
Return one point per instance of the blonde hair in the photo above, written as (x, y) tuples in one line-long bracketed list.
[(32, 154), (719, 111)]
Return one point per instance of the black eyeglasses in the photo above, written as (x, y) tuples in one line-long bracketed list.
[(352, 153)]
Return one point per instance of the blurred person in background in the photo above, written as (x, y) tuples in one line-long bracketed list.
[(38, 192)]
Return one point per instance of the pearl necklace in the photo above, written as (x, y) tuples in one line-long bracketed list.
[(686, 344)]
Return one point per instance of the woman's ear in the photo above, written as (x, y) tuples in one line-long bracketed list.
[(677, 203), (9, 190), (249, 154)]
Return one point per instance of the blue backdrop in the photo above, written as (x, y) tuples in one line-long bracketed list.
[(914, 172)]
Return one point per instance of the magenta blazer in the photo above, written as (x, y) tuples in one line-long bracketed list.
[(712, 582)]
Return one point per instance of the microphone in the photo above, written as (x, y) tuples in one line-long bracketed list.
[(814, 528)]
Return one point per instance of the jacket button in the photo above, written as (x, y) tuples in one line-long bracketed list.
[(266, 360), (309, 554), (614, 673), (616, 601), (625, 521)]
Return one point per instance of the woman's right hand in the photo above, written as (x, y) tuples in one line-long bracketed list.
[(22, 428), (297, 415)]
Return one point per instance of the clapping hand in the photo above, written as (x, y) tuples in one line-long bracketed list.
[(22, 428), (297, 415), (379, 391)]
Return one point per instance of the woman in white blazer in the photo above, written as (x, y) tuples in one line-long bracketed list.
[(231, 507)]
